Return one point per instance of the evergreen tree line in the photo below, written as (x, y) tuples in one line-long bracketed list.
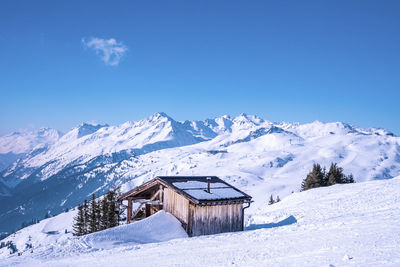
[(97, 215), (319, 177)]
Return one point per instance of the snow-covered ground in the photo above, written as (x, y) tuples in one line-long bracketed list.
[(342, 225)]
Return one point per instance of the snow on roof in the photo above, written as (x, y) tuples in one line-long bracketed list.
[(197, 185), (198, 190), (194, 187)]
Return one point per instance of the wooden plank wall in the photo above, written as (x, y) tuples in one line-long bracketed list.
[(176, 204), (207, 220)]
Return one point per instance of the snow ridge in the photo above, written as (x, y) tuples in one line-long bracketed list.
[(258, 156)]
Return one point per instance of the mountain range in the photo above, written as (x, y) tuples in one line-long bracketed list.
[(46, 171)]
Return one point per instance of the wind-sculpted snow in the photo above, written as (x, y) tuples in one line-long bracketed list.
[(257, 156), (341, 225), (162, 226)]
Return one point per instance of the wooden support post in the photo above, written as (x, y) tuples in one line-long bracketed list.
[(129, 212), (148, 210), (161, 194)]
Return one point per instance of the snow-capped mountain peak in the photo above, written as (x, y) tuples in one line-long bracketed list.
[(80, 131), (243, 117), (245, 150), (160, 115)]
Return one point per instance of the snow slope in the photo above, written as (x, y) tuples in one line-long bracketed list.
[(341, 225), (257, 156)]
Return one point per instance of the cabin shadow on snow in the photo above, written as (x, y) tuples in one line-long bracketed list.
[(289, 220)]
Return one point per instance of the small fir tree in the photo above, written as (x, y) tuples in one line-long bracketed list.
[(335, 175), (350, 179), (98, 214), (112, 208), (86, 217), (93, 222), (271, 200), (79, 223), (315, 178), (104, 213), (277, 199)]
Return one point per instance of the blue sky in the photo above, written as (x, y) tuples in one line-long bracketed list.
[(281, 60)]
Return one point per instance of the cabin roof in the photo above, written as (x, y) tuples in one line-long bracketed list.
[(195, 188)]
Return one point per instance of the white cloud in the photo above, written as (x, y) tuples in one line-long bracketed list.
[(110, 51)]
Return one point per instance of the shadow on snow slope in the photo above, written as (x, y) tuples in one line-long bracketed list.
[(289, 220)]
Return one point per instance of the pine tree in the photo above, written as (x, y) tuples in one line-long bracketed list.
[(277, 199), (335, 175), (93, 222), (79, 222), (325, 177), (350, 179), (86, 217), (98, 214), (314, 179), (118, 212), (271, 200), (104, 213), (112, 208)]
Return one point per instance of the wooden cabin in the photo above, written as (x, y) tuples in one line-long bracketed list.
[(203, 204)]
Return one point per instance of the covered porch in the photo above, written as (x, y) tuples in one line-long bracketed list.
[(147, 198)]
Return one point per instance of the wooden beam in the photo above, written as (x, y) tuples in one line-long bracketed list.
[(129, 212), (138, 209), (150, 201), (160, 189), (139, 189)]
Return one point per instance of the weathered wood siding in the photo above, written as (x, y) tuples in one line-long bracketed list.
[(176, 204), (207, 220)]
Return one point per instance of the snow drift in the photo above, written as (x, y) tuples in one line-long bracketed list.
[(56, 234), (159, 227)]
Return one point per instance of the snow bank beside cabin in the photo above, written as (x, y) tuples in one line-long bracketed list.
[(53, 236), (162, 226)]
